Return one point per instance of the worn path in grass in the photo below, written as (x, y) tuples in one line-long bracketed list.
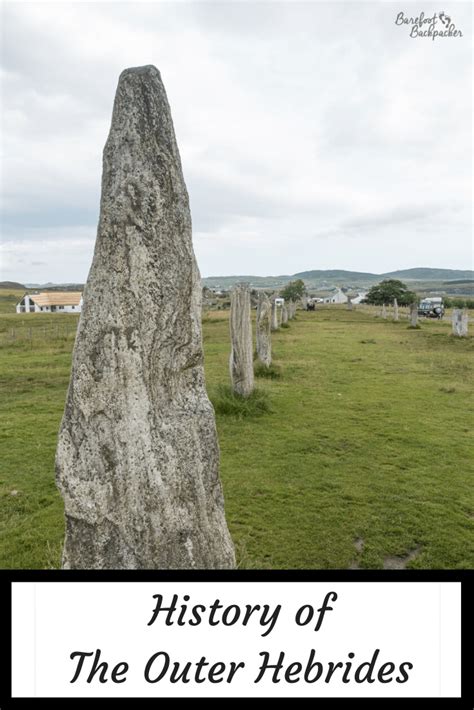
[(362, 462)]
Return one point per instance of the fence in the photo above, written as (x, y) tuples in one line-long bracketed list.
[(21, 333)]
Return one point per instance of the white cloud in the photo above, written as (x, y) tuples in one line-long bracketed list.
[(48, 254), (312, 135)]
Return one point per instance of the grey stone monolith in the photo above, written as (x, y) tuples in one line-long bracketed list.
[(280, 315), (395, 309), (383, 312), (263, 328), (413, 315), (137, 461), (460, 322), (241, 355), (274, 317), (284, 313), (349, 304)]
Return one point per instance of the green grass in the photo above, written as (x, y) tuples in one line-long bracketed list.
[(228, 403), (272, 372), (9, 297), (367, 439)]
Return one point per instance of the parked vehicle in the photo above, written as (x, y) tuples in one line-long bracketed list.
[(431, 308)]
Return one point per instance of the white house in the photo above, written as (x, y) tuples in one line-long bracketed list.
[(360, 297), (279, 301), (51, 302), (337, 297)]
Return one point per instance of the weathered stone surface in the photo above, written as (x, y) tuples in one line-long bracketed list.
[(460, 322), (275, 323), (291, 310), (349, 304), (304, 302), (241, 355), (384, 311), (264, 336), (284, 313), (138, 459), (279, 315), (395, 309), (414, 315)]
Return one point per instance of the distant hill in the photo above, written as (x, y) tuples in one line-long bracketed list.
[(12, 284), (56, 287), (226, 282), (425, 274), (340, 277), (462, 282), (334, 274), (314, 279)]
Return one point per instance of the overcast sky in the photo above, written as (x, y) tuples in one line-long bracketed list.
[(312, 135)]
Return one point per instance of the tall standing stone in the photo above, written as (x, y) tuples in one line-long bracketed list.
[(264, 336), (304, 302), (414, 315), (274, 324), (284, 313), (384, 311), (241, 355), (460, 322), (395, 309), (137, 461), (349, 304), (280, 315)]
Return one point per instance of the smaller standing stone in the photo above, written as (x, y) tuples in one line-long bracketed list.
[(349, 304), (241, 355), (383, 312), (279, 315), (264, 337), (460, 322), (395, 309), (414, 315), (275, 325), (304, 302), (284, 313)]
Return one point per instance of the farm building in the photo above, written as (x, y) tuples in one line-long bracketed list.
[(336, 297), (51, 302), (359, 298)]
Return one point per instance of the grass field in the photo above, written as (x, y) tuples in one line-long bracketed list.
[(363, 460)]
